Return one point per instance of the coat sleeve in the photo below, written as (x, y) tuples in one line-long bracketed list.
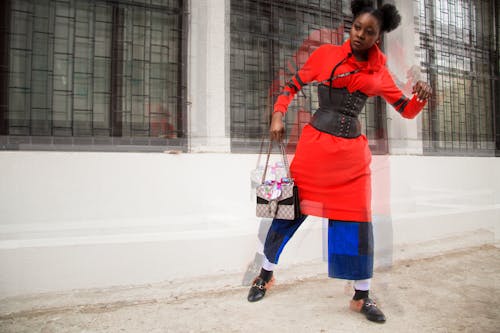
[(408, 108), (305, 75)]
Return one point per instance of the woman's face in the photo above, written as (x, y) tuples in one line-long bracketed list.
[(364, 33)]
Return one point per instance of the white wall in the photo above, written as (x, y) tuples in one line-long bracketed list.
[(83, 220), (208, 76), (438, 198)]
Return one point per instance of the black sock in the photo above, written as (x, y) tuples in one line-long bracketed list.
[(266, 275), (360, 294)]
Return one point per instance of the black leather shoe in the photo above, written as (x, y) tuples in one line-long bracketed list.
[(371, 311), (258, 289)]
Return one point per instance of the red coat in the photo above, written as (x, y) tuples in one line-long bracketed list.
[(333, 173)]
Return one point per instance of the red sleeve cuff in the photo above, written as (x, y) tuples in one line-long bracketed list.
[(413, 108)]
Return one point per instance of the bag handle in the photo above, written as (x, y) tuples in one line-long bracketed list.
[(260, 151), (283, 155)]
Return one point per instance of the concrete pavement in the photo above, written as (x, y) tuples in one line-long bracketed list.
[(454, 292)]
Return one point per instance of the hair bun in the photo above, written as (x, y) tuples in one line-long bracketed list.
[(390, 17), (358, 5)]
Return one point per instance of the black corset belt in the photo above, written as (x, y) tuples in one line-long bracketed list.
[(338, 115)]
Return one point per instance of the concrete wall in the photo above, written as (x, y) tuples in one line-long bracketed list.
[(208, 76), (83, 220)]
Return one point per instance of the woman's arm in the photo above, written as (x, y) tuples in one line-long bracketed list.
[(305, 75), (408, 108)]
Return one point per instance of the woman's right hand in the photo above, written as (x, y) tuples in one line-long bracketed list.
[(277, 127)]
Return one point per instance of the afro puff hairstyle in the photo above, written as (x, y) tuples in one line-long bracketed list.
[(387, 15)]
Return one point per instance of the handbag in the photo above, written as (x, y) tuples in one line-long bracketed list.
[(278, 198)]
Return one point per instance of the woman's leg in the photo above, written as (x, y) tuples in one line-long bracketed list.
[(362, 285), (280, 232), (361, 289), (350, 257)]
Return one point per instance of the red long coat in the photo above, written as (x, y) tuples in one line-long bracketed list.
[(333, 173)]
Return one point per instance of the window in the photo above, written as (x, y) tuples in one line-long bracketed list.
[(270, 40), (94, 74), (460, 55)]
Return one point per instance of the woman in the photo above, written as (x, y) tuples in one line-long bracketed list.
[(331, 166)]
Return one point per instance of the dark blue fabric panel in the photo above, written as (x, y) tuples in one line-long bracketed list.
[(365, 239), (350, 250), (350, 267), (278, 235), (343, 237)]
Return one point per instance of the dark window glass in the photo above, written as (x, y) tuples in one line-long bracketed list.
[(95, 72), (460, 56)]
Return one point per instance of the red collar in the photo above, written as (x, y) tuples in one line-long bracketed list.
[(376, 59)]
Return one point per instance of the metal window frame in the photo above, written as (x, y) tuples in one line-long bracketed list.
[(4, 65), (113, 142), (476, 136)]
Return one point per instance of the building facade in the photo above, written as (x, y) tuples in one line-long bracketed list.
[(193, 82), (124, 75)]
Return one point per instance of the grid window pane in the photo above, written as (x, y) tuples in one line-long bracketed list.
[(459, 49), (91, 68)]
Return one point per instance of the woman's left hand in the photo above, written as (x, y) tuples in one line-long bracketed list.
[(422, 90)]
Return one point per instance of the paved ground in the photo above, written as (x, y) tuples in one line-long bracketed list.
[(456, 292)]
